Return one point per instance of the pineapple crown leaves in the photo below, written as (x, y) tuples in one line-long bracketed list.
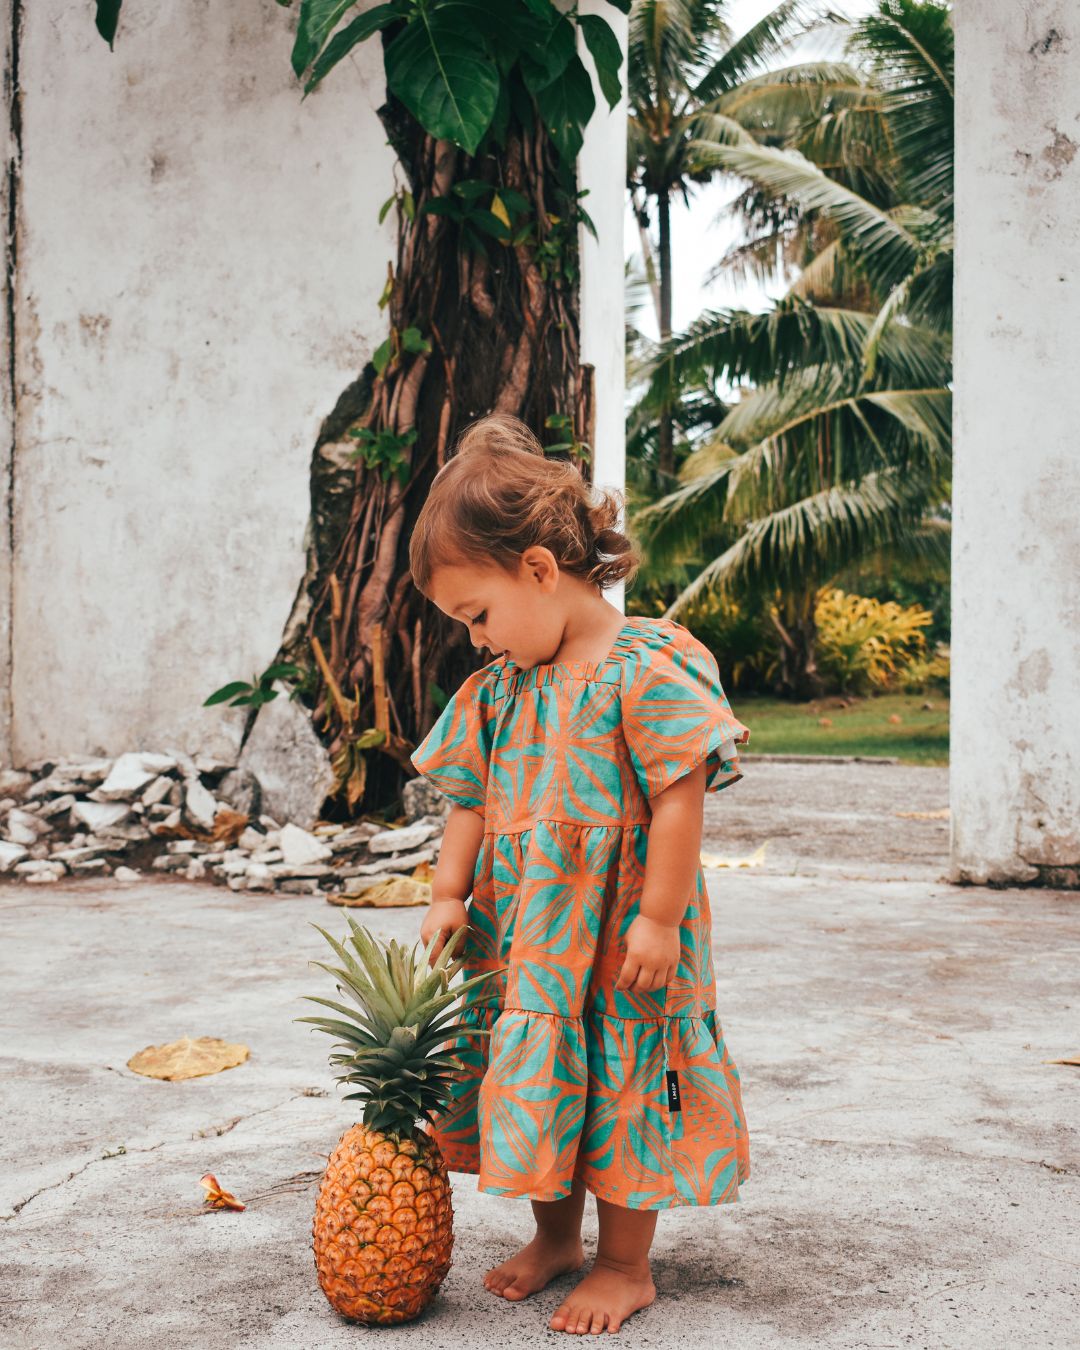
[(390, 1046)]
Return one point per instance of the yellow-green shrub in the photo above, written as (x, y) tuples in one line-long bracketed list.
[(864, 645)]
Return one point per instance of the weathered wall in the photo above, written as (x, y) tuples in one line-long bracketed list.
[(199, 266), (1015, 734)]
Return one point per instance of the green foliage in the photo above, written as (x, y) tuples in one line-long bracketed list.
[(260, 691), (384, 450), (837, 441), (864, 644), (106, 19), (458, 65)]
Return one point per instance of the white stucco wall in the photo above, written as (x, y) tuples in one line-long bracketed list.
[(199, 264), (199, 269), (1015, 733)]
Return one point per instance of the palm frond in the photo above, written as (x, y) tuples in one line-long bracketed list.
[(886, 248)]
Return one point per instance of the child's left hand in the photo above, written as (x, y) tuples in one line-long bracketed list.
[(652, 955)]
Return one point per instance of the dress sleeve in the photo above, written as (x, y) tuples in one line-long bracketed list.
[(676, 715), (454, 754)]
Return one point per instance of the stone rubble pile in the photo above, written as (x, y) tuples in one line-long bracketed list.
[(121, 817)]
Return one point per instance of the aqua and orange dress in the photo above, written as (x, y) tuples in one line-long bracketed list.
[(633, 1093)]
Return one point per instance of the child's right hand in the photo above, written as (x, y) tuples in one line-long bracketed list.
[(443, 917)]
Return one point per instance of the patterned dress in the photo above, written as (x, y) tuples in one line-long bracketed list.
[(634, 1093)]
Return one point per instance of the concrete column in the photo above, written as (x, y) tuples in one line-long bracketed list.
[(1015, 734), (602, 169)]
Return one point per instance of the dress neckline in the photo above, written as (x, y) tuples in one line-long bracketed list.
[(543, 668)]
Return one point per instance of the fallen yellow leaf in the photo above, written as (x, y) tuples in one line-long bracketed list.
[(1069, 1059), (715, 860), (218, 1198), (187, 1058), (387, 894)]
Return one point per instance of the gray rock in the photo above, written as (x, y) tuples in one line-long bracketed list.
[(71, 856), (127, 874), (19, 833), (56, 807), (14, 780), (32, 865), (399, 862), (195, 870), (251, 839), (400, 841), (267, 855), (419, 797), (300, 869), (158, 790), (91, 865), (200, 808), (127, 778), (289, 761), (240, 790), (88, 770), (43, 878), (185, 846), (359, 884), (299, 847), (100, 815), (299, 886), (170, 862)]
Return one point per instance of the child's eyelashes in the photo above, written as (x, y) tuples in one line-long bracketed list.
[(480, 617)]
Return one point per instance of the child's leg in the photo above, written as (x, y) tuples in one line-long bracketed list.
[(620, 1281), (555, 1250)]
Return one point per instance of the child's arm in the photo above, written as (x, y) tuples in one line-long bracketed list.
[(453, 879), (671, 863)]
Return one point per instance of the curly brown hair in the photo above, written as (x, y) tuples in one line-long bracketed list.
[(499, 494)]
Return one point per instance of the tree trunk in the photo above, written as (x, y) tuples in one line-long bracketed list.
[(667, 436), (503, 331), (792, 616)]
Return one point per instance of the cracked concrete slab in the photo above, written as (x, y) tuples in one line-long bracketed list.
[(914, 1162)]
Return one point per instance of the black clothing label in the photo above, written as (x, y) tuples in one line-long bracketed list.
[(674, 1104)]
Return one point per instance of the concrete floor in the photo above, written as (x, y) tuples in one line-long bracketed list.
[(914, 1161)]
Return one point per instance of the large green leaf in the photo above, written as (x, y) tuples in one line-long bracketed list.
[(548, 58), (318, 19), (344, 41), (106, 19), (606, 52), (566, 105), (444, 76)]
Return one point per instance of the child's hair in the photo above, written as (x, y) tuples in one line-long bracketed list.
[(499, 494)]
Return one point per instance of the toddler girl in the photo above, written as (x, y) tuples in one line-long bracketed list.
[(576, 763)]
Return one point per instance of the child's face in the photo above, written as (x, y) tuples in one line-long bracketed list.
[(508, 614)]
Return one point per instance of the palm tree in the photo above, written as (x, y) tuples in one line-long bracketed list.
[(683, 61), (838, 444)]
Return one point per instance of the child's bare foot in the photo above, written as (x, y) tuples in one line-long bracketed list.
[(605, 1298), (534, 1266)]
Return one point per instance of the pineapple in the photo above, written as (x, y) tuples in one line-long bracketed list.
[(383, 1227)]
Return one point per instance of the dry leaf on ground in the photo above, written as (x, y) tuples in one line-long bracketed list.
[(385, 894), (1069, 1059), (718, 860), (218, 1198), (187, 1058)]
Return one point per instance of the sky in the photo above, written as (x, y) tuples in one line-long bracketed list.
[(701, 232)]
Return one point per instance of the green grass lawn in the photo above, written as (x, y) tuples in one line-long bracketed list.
[(920, 736)]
